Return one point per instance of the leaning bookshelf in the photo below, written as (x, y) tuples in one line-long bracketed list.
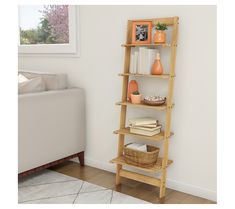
[(163, 162)]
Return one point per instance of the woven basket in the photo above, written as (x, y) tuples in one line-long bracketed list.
[(139, 158)]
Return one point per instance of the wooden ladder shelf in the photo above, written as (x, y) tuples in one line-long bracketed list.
[(164, 162)]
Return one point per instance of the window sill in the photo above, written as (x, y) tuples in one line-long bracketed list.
[(45, 55)]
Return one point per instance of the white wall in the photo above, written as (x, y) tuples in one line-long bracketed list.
[(103, 28)]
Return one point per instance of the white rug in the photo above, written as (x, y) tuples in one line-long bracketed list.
[(50, 187)]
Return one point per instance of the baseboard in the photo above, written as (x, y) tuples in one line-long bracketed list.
[(170, 183), (191, 189), (97, 164)]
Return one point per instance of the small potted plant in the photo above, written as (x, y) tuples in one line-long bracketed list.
[(160, 34), (136, 97)]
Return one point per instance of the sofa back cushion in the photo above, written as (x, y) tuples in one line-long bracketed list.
[(26, 85), (52, 81)]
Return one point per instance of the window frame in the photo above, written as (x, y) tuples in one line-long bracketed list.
[(70, 48)]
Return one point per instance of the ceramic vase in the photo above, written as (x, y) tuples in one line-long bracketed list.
[(157, 68), (132, 86)]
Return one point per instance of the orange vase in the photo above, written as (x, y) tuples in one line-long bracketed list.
[(159, 37), (132, 86), (157, 68)]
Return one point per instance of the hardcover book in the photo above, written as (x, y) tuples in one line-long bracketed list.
[(142, 121)]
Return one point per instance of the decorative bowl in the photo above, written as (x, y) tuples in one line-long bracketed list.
[(154, 100)]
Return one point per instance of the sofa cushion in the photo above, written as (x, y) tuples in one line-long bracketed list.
[(22, 78), (52, 81), (30, 85)]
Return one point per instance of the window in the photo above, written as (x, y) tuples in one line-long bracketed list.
[(47, 29)]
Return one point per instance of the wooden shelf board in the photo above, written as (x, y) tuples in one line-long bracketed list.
[(165, 76), (160, 107), (140, 177), (156, 168), (169, 21), (147, 45), (126, 131)]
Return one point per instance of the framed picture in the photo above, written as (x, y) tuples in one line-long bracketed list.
[(141, 32)]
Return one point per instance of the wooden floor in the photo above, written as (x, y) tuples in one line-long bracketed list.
[(136, 189)]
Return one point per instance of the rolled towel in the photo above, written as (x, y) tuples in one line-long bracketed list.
[(143, 148), (140, 147)]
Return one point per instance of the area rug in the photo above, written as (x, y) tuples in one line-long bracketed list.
[(50, 187)]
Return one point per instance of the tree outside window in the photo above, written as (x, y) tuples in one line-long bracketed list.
[(52, 27)]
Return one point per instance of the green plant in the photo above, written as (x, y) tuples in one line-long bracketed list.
[(136, 93), (160, 26)]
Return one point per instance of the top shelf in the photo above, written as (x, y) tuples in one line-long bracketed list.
[(169, 21), (149, 45)]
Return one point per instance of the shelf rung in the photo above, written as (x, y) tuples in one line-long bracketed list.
[(169, 21), (139, 177), (164, 76), (149, 45), (153, 169), (160, 107), (126, 131)]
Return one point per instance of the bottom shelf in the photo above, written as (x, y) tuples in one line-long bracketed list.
[(156, 168), (139, 177)]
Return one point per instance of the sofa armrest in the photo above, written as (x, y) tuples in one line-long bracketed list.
[(51, 126), (73, 90)]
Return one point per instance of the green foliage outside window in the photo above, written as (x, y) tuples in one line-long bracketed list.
[(53, 27)]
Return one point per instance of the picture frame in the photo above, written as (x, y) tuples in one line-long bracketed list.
[(141, 32)]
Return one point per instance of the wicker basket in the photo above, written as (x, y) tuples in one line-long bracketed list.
[(139, 158)]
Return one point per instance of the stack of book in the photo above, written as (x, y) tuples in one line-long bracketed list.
[(142, 59), (144, 126)]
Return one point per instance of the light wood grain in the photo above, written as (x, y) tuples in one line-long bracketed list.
[(153, 169), (130, 187), (168, 112), (126, 131), (147, 45), (164, 76), (124, 96), (164, 162), (140, 178), (142, 105), (168, 20)]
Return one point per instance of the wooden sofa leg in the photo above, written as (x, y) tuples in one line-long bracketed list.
[(81, 158)]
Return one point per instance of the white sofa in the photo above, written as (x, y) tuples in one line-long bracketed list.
[(51, 128)]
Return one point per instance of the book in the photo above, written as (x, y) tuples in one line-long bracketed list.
[(145, 60), (146, 129), (136, 55), (142, 121), (146, 126), (133, 60), (141, 60), (145, 133), (150, 58), (131, 69)]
